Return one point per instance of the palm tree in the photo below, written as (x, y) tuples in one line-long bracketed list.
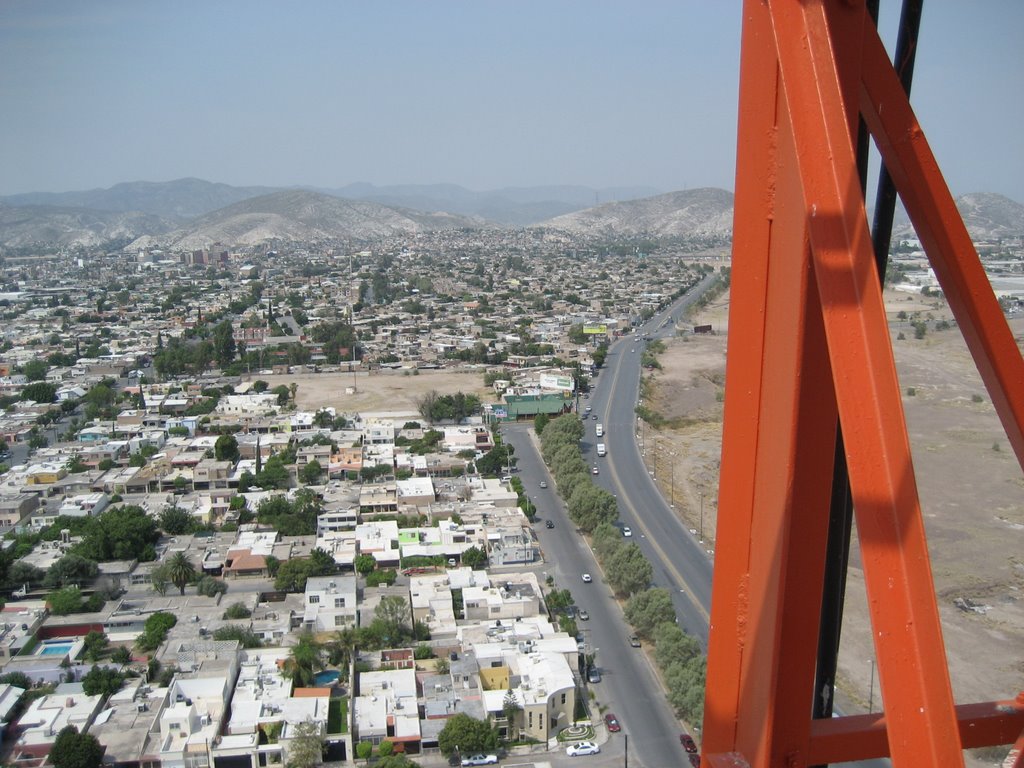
[(180, 570), (305, 660)]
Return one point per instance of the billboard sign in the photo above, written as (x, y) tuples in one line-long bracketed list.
[(551, 381), (595, 329)]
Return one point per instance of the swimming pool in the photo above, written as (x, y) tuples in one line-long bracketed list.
[(325, 678), (58, 646)]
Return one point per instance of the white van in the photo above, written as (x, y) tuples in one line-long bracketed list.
[(601, 450), (600, 429)]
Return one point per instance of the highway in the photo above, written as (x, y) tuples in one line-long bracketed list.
[(680, 562), (628, 679)]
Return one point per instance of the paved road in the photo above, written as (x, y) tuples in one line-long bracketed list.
[(628, 680)]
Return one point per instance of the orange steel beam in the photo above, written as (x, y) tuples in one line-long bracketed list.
[(808, 339), (779, 385), (937, 221)]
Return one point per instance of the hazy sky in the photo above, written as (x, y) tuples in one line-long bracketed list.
[(482, 94)]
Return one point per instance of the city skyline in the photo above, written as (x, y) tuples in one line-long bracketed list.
[(480, 95)]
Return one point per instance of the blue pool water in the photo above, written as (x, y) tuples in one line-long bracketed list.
[(327, 677), (55, 649)]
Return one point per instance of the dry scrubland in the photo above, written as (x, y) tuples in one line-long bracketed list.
[(971, 488)]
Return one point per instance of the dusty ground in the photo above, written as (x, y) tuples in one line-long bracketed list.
[(971, 489), (378, 392)]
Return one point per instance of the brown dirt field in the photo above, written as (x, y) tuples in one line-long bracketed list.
[(971, 489), (377, 392)]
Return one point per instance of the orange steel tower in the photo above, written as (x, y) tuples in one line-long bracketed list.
[(810, 367)]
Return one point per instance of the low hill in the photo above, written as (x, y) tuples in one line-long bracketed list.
[(300, 216), (700, 212)]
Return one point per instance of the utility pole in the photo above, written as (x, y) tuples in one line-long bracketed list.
[(702, 517)]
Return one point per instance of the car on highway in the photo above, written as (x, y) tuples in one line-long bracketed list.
[(543, 483), (612, 722), (688, 743), (593, 416), (627, 531), (584, 616), (595, 471), (587, 578), (480, 760), (634, 641), (582, 748), (549, 523)]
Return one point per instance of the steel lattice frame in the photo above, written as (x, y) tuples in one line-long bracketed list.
[(809, 344)]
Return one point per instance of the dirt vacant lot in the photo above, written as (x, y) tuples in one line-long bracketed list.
[(379, 392), (971, 489)]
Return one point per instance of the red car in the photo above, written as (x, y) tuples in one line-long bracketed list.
[(687, 741), (612, 722), (694, 760)]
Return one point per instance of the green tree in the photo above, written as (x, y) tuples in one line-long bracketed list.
[(181, 570), (175, 521), (311, 473), (160, 578), (467, 735), (237, 611), (94, 645), (306, 747), (673, 646), (606, 539), (475, 558), (628, 570), (39, 392), (305, 660), (70, 569), (72, 749), (511, 708), (121, 533), (226, 448), (102, 681), (393, 614), (35, 370), (364, 563), (209, 586), (292, 575), (589, 506), (121, 655), (224, 342), (155, 630), (648, 610), (685, 683), (540, 421), (65, 601)]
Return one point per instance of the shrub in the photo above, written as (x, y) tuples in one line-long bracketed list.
[(237, 611)]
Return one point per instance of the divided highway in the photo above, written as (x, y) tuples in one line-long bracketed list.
[(680, 564)]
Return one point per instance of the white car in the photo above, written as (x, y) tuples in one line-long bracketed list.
[(582, 748), (627, 531), (587, 578), (480, 760)]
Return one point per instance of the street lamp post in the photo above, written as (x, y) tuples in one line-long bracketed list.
[(871, 688), (702, 517)]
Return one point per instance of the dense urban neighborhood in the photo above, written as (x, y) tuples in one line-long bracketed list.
[(199, 572)]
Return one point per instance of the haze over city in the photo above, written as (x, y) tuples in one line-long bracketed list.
[(479, 94)]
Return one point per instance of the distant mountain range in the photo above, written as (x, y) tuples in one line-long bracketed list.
[(299, 216), (192, 213), (706, 211)]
